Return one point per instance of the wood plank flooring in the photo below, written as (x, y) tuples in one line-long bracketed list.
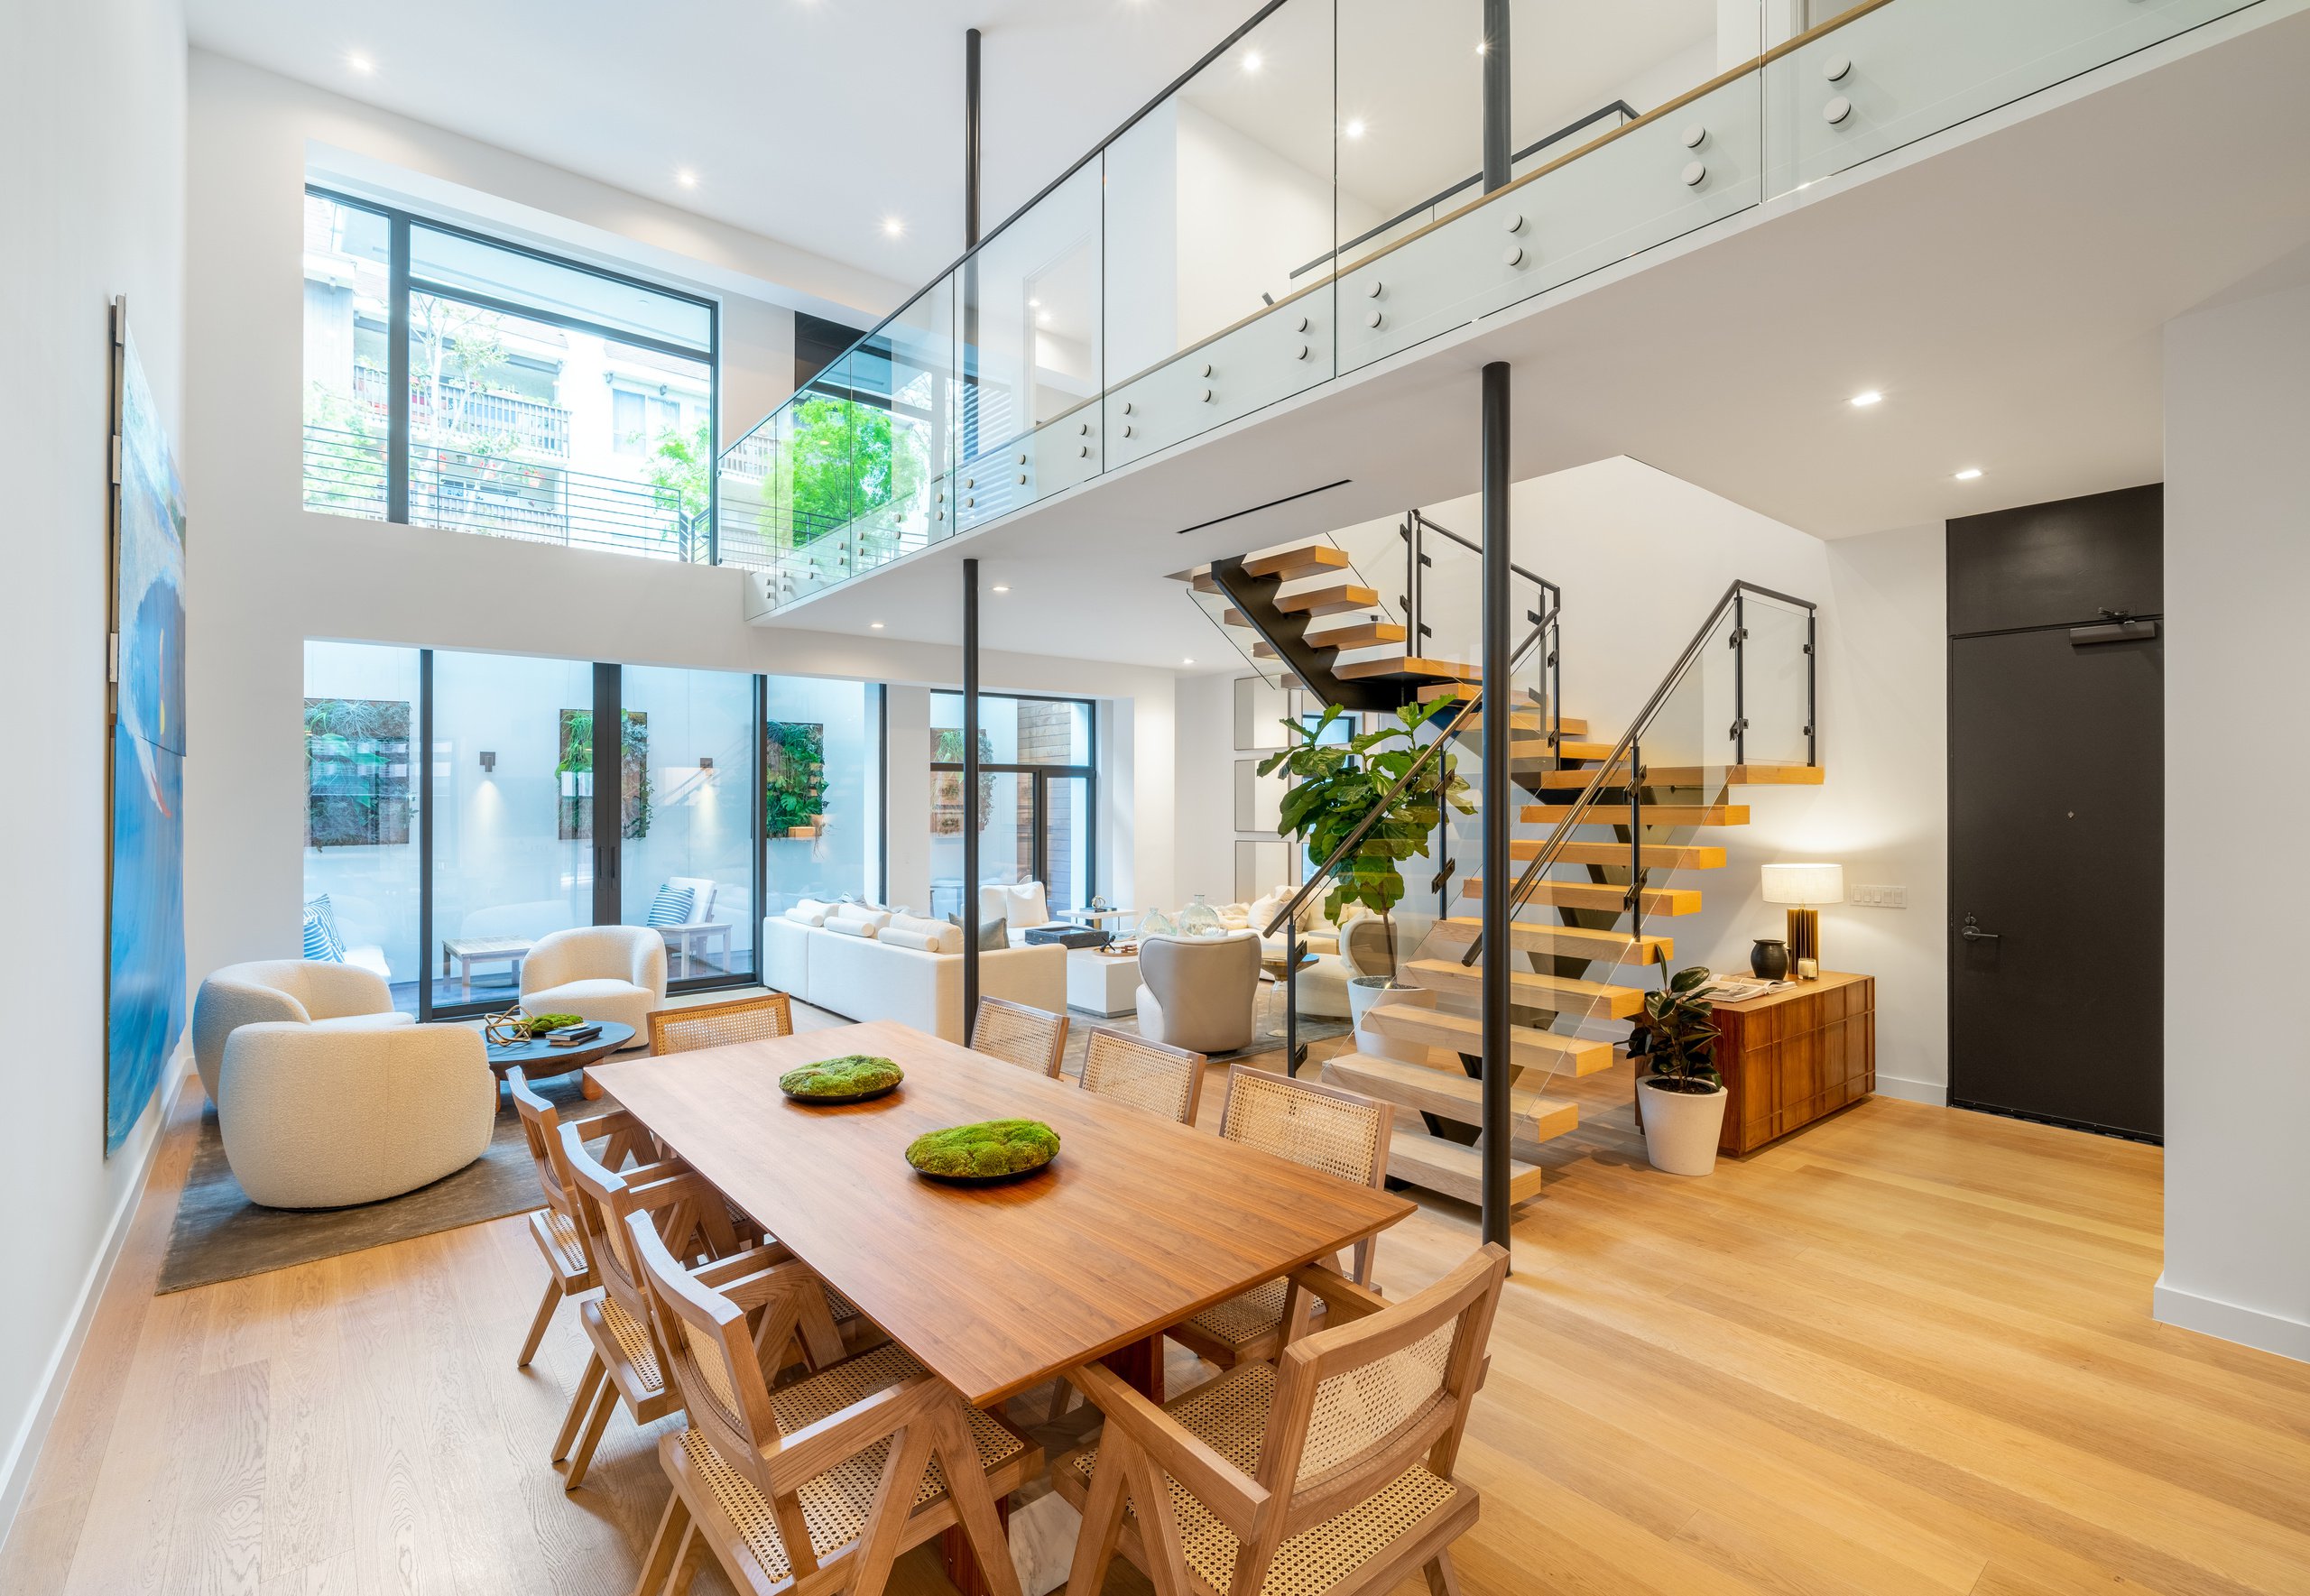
[(1906, 1351)]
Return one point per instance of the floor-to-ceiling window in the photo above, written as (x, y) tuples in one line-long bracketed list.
[(1037, 800), (557, 793), (456, 380), (822, 791)]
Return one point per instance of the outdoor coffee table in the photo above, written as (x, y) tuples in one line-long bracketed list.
[(467, 952)]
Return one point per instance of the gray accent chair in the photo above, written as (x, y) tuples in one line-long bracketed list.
[(1201, 994)]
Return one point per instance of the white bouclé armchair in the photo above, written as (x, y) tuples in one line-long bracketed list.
[(598, 973), (328, 997)]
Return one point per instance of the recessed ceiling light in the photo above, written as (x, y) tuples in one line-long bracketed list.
[(874, 625), (1252, 61), (1034, 304), (1042, 318), (1186, 662), (361, 61), (893, 227), (1003, 588), (1862, 402), (1354, 129), (1969, 473), (685, 178)]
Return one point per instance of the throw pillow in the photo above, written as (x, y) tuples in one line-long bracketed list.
[(806, 916), (860, 914), (671, 908), (853, 928), (891, 936), (323, 939), (941, 936), (993, 935)]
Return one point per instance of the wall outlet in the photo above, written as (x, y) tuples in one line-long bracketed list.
[(1880, 897)]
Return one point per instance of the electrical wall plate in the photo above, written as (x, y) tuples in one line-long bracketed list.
[(1878, 897)]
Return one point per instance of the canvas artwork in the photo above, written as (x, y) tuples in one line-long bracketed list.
[(145, 972)]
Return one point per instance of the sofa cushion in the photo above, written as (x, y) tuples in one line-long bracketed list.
[(1022, 905), (863, 914), (944, 936), (671, 907), (385, 1022), (703, 892), (917, 940), (847, 927)]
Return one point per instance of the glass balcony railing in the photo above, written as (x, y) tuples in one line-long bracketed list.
[(1301, 206)]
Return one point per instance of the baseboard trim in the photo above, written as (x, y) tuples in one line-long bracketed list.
[(24, 1446), (1936, 1093), (2228, 1321)]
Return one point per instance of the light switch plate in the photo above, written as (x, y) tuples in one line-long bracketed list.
[(1881, 897)]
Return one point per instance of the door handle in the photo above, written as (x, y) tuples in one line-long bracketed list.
[(1973, 933)]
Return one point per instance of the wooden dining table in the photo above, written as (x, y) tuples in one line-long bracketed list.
[(1138, 1223)]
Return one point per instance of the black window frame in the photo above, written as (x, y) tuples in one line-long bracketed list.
[(1044, 775), (400, 283)]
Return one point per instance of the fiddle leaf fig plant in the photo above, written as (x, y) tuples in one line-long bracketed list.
[(1336, 784), (1679, 1041)]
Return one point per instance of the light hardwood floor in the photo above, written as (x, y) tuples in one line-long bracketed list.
[(1905, 1350)]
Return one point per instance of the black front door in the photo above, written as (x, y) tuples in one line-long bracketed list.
[(2056, 761), (2057, 813)]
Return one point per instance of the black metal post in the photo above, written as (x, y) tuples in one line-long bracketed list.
[(1636, 842), (757, 821), (1740, 679), (972, 818), (1812, 699), (397, 363), (1499, 797), (1497, 144), (968, 316), (1291, 994), (424, 755), (608, 815), (970, 138)]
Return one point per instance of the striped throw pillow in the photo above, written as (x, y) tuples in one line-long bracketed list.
[(672, 907), (323, 939)]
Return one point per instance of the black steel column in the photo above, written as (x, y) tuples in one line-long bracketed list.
[(969, 308), (970, 139), (1499, 797), (422, 755), (609, 793), (972, 818), (397, 365), (1497, 142)]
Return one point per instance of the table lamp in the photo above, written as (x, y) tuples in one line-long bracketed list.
[(1805, 886)]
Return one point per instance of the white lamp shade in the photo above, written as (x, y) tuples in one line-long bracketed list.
[(1806, 884)]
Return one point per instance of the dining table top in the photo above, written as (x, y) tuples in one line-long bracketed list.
[(1140, 1222)]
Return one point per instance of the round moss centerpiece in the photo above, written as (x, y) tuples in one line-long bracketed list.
[(991, 1150), (853, 1078)]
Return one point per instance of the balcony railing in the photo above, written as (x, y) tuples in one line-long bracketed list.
[(501, 496), (475, 414), (1294, 210)]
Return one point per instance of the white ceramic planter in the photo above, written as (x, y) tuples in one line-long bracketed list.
[(1365, 994), (1681, 1128)]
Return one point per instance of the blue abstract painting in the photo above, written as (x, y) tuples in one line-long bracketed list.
[(145, 983)]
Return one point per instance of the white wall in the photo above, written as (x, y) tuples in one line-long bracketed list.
[(92, 113), (1641, 557), (2237, 564)]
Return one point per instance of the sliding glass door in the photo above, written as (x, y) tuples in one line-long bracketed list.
[(1037, 798), (688, 859)]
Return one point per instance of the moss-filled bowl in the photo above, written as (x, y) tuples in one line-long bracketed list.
[(851, 1078), (991, 1150)]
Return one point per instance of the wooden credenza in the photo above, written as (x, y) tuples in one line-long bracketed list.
[(1789, 1058)]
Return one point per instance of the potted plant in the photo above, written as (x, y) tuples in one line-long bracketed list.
[(1684, 1098), (1337, 784)]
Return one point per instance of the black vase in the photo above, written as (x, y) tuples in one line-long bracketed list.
[(1770, 959)]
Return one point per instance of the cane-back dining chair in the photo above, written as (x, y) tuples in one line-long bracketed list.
[(1030, 1039), (554, 1227), (1330, 1470), (1152, 1075), (718, 1025)]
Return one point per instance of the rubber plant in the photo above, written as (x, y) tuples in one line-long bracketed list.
[(1679, 1037), (1338, 783)]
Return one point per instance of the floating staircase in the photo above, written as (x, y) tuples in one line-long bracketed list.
[(1600, 828)]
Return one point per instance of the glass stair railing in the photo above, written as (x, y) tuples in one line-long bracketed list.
[(1273, 223)]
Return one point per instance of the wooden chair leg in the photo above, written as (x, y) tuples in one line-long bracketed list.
[(603, 1405), (902, 1469), (973, 1502), (581, 1403), (1094, 1546), (678, 1579), (666, 1547), (1442, 1580), (544, 1317)]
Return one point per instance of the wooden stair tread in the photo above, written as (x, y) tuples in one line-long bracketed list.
[(1666, 902), (1449, 1094), (1579, 942), (1404, 665), (1365, 634), (1309, 559), (1651, 855), (1572, 748), (1464, 1033), (1704, 776), (1434, 1164), (1337, 599), (1611, 814), (1563, 994)]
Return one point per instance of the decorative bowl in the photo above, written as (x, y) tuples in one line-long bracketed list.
[(856, 1077), (985, 1152)]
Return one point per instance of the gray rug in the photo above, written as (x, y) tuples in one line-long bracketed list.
[(220, 1235)]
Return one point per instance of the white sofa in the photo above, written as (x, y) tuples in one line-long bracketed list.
[(598, 973), (865, 978), (319, 994), (316, 1118)]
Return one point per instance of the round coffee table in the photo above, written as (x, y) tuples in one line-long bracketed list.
[(559, 1061)]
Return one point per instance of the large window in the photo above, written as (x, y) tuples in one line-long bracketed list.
[(1037, 798), (822, 791), (453, 380)]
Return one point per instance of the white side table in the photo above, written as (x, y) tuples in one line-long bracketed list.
[(1102, 984)]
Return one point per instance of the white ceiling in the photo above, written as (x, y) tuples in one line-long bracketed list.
[(813, 120), (2006, 296)]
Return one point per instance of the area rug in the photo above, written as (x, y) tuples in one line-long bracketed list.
[(1268, 1040), (220, 1235)]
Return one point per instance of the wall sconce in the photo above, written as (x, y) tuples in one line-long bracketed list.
[(488, 761), (705, 762)]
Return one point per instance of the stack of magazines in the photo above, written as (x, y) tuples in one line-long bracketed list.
[(573, 1036)]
